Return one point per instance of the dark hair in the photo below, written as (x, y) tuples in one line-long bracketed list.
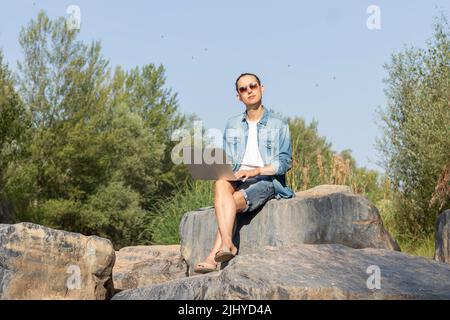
[(246, 74)]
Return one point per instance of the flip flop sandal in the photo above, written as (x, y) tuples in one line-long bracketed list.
[(225, 255), (205, 267)]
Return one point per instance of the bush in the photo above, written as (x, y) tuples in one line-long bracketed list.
[(167, 214), (113, 213)]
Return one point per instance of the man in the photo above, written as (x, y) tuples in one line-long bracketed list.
[(258, 144)]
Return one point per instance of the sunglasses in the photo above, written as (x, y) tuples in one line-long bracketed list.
[(252, 86)]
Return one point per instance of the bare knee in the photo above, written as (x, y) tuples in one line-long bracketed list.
[(224, 186)]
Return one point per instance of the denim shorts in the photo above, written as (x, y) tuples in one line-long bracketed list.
[(257, 191)]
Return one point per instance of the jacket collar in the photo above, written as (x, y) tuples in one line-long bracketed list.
[(263, 119)]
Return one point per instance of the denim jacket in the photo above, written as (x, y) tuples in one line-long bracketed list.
[(274, 143)]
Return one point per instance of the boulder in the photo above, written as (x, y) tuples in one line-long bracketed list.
[(311, 272), (325, 214), (442, 241), (141, 266), (42, 263)]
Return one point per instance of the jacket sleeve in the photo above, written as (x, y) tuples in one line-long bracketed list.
[(283, 159)]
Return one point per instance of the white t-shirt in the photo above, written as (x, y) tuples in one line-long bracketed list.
[(252, 158)]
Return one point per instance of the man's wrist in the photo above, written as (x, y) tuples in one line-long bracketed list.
[(258, 171)]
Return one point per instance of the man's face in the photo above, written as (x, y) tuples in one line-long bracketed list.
[(252, 95)]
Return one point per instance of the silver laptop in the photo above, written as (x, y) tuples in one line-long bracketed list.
[(208, 164)]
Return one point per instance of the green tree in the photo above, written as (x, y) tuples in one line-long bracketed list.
[(143, 90), (97, 154), (12, 126), (12, 120), (307, 145), (415, 146)]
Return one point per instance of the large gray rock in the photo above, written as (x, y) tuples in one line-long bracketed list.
[(321, 215), (42, 263), (442, 242), (311, 272), (141, 266)]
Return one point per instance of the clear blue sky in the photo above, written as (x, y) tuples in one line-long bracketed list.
[(318, 60)]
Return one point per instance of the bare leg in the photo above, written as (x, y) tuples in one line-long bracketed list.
[(238, 204), (225, 208)]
